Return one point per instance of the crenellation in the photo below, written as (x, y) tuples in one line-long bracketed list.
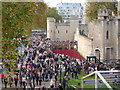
[(100, 37)]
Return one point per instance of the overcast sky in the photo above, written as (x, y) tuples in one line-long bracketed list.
[(53, 3)]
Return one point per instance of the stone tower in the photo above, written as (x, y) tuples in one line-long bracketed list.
[(103, 13), (51, 28), (118, 8)]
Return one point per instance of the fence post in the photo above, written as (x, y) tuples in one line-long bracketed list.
[(96, 81), (82, 84)]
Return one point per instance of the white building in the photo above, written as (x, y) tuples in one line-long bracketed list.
[(70, 9)]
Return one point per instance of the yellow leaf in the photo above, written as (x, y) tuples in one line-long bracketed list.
[(10, 9)]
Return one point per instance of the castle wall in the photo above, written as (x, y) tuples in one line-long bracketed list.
[(98, 39), (98, 32), (95, 32), (83, 29), (84, 44), (62, 33), (74, 24), (111, 44), (51, 28), (119, 39)]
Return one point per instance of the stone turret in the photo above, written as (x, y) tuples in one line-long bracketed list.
[(118, 8), (103, 13), (51, 28), (74, 24)]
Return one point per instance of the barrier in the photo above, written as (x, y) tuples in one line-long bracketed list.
[(104, 77)]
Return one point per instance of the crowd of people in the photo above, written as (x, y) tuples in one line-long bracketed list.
[(39, 64)]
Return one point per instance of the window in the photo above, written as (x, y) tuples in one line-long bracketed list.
[(107, 35), (67, 7), (66, 31), (82, 32), (118, 35), (51, 30), (58, 31)]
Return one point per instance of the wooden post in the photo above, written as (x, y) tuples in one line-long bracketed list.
[(82, 84), (96, 81)]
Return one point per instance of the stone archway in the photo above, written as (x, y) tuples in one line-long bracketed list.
[(97, 53)]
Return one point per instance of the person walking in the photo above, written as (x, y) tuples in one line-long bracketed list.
[(10, 81), (52, 83), (20, 81), (16, 80), (43, 75), (5, 81), (64, 82), (37, 79), (2, 77), (76, 74), (40, 80), (33, 76), (24, 82)]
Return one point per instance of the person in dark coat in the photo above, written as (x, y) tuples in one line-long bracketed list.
[(5, 81), (37, 79), (40, 79), (64, 82), (16, 80)]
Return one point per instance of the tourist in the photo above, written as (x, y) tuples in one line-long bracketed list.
[(5, 81), (52, 83), (24, 81), (40, 65), (16, 80)]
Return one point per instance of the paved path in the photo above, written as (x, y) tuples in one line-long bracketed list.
[(20, 51), (45, 84), (0, 85)]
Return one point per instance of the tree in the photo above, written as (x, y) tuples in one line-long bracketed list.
[(17, 23), (52, 12), (15, 19), (40, 19), (92, 9)]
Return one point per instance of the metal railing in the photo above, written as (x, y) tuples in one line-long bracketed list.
[(99, 74)]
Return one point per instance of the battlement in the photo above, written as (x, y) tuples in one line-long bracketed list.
[(50, 19)]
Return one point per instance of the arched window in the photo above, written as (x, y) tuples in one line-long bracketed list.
[(82, 32), (66, 31), (97, 52), (107, 35), (56, 27)]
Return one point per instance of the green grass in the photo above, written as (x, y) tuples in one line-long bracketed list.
[(74, 82)]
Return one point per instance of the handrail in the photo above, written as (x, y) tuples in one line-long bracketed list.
[(88, 75), (97, 73), (108, 71), (104, 81)]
